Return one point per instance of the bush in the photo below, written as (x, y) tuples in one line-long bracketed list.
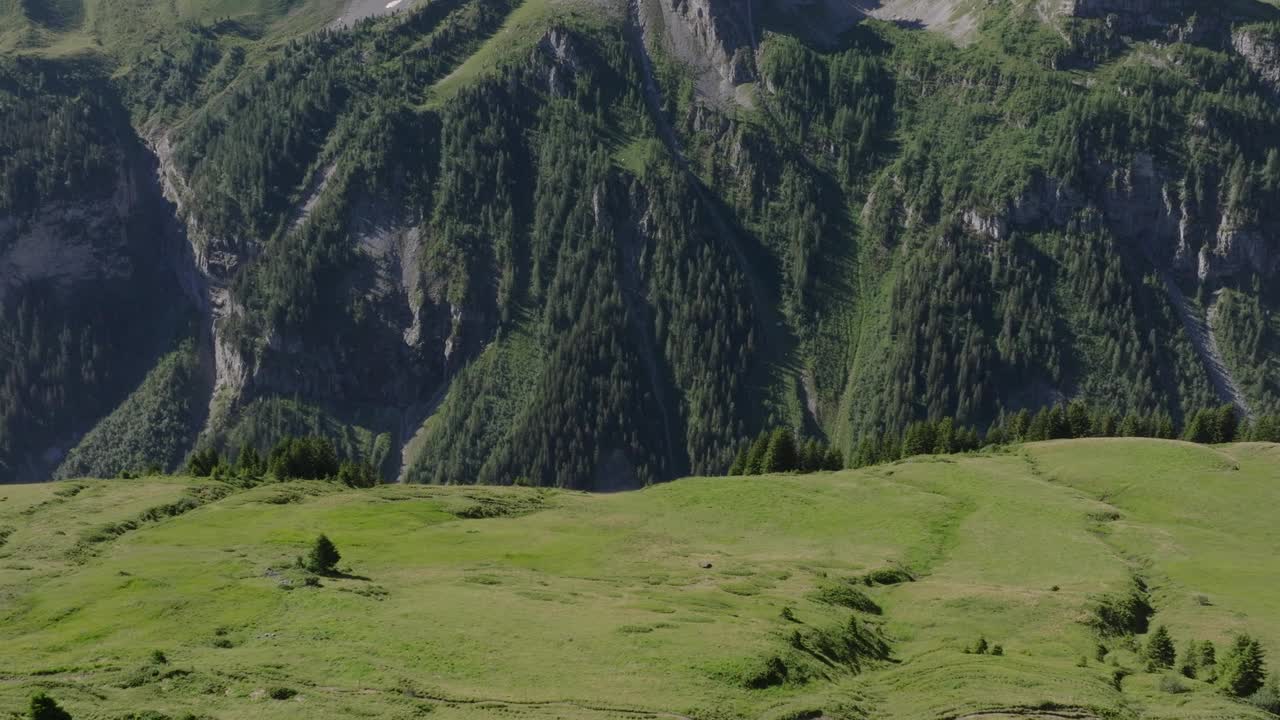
[(281, 693), (1268, 698), (773, 671), (158, 657), (1172, 685), (997, 650), (323, 556), (887, 576), (43, 707), (1123, 614), (845, 594)]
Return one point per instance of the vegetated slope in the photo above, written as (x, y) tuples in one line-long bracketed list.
[(855, 594), (599, 244)]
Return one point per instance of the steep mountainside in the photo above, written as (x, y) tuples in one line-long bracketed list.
[(596, 243)]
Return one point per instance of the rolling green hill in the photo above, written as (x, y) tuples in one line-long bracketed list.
[(854, 594)]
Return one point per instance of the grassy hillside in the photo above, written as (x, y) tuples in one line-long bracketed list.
[(701, 598)]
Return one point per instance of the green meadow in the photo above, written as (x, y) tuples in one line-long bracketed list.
[(856, 594)]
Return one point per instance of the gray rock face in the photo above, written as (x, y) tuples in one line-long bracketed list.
[(1171, 20), (1139, 204), (1260, 48), (70, 241), (713, 37)]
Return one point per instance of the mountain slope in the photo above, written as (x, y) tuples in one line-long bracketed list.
[(476, 602), (599, 244)]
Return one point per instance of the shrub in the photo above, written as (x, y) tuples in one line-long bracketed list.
[(997, 650), (43, 707), (773, 671), (1268, 698), (845, 594), (981, 647), (1172, 685), (158, 657), (1123, 614), (323, 556), (281, 693), (887, 576)]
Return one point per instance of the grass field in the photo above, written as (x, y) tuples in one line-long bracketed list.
[(682, 600)]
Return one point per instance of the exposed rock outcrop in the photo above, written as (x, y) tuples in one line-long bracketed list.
[(1260, 48), (713, 37)]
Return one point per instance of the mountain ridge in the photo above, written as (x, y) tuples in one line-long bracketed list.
[(349, 280)]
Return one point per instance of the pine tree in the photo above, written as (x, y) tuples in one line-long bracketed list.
[(781, 454), (755, 456), (1226, 425), (1202, 428), (1078, 420), (43, 707), (1208, 654), (1243, 670), (323, 555), (739, 465), (1160, 650), (1190, 660)]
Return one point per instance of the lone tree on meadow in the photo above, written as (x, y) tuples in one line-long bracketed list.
[(1160, 649), (323, 555), (43, 707)]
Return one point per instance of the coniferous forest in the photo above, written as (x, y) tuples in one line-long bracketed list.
[(509, 242)]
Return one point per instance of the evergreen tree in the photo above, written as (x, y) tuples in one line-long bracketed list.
[(781, 456), (1160, 650), (1208, 656), (323, 556), (1203, 427), (249, 462), (755, 456), (1079, 423), (1038, 429), (43, 707), (739, 465), (1019, 425), (944, 437), (833, 460), (1226, 425), (1189, 663), (1243, 670), (202, 462)]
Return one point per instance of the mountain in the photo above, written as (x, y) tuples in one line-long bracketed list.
[(852, 595), (598, 244)]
